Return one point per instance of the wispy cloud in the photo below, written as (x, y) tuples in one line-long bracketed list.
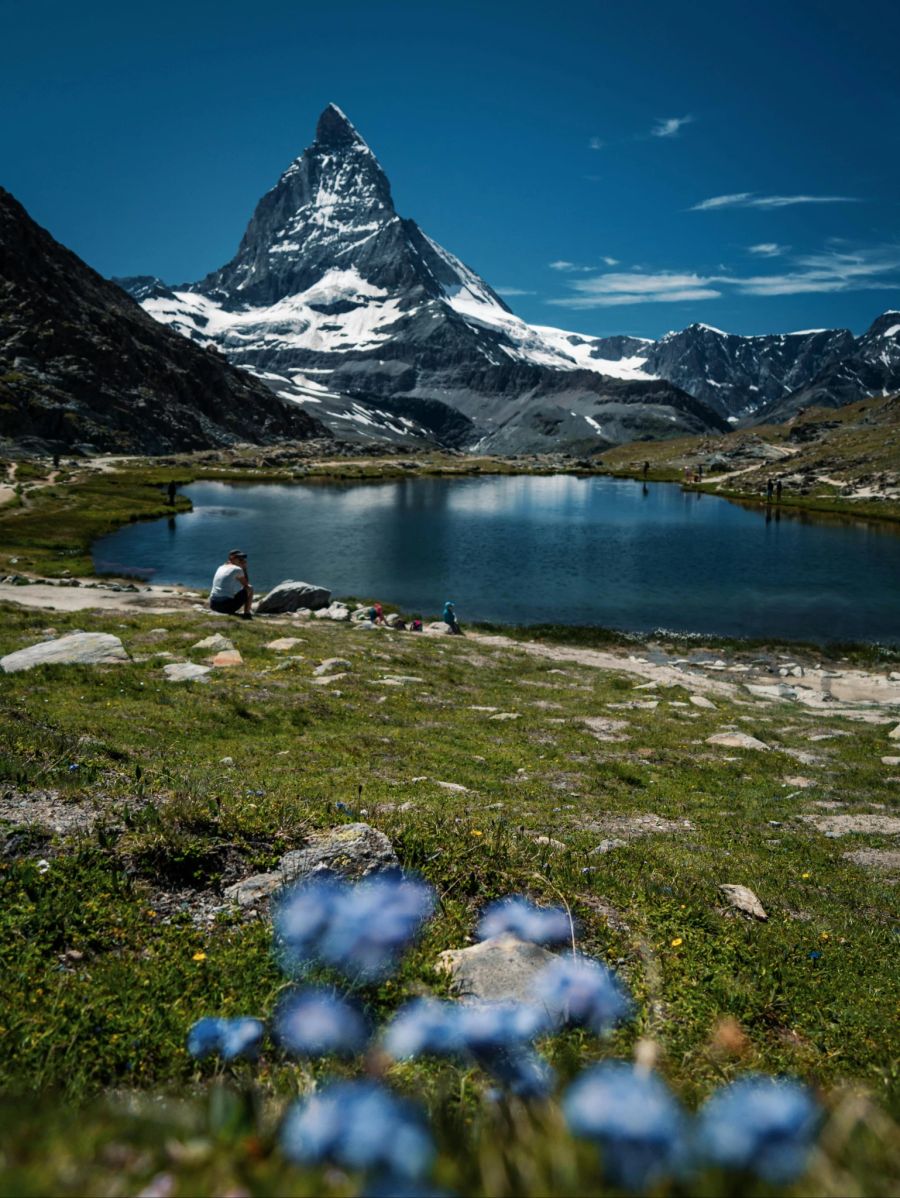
[(831, 270), (670, 126), (749, 199), (596, 143), (514, 291), (767, 249), (569, 267), (610, 261)]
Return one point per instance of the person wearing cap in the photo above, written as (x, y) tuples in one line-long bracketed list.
[(449, 617), (231, 589)]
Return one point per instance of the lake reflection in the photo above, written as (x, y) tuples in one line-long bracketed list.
[(522, 549)]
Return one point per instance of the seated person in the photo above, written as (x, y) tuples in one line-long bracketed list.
[(449, 617), (231, 589)]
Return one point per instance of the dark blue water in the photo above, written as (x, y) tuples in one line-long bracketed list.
[(526, 550)]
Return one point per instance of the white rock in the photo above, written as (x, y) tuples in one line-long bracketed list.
[(894, 733), (214, 644), (284, 644), (702, 701), (331, 664), (503, 968), (736, 740), (78, 648), (186, 671), (505, 715), (455, 786), (744, 900), (438, 628)]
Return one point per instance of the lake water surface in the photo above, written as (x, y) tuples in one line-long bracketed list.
[(524, 550)]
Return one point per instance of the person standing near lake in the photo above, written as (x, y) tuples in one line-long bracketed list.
[(231, 589)]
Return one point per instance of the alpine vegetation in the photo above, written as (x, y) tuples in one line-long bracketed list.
[(756, 1125)]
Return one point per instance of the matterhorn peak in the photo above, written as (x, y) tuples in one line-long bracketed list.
[(334, 129)]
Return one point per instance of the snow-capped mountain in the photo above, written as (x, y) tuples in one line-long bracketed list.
[(336, 301)]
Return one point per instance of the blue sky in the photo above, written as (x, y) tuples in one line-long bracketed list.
[(609, 167)]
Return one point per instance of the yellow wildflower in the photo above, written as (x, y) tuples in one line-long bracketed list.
[(677, 942), (198, 956)]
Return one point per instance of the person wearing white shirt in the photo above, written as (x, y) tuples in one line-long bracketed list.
[(231, 589)]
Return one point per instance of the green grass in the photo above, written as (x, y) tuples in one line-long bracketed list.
[(104, 969)]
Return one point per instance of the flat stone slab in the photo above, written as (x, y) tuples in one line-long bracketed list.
[(607, 729), (736, 740), (503, 968), (743, 899), (78, 648), (883, 860), (836, 826), (327, 679), (505, 715), (890, 761), (284, 644), (214, 644), (187, 671), (702, 701), (331, 665)]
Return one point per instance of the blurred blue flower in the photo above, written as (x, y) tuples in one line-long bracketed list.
[(227, 1038), (73, 766), (519, 917), (360, 929), (358, 1125), (762, 1125), (581, 992), (633, 1117), (205, 1037), (425, 1025), (316, 1023), (241, 1037), (496, 1036)]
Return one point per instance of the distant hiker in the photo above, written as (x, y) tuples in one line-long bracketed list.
[(770, 487), (646, 469), (415, 625), (778, 488), (700, 473), (56, 461), (376, 614), (231, 589), (449, 617), (172, 491)]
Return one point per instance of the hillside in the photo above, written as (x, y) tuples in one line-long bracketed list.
[(83, 368)]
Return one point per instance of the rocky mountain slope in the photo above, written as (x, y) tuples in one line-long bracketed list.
[(336, 301), (81, 365)]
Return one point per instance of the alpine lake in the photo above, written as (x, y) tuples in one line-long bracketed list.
[(560, 549)]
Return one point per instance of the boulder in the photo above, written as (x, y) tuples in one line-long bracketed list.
[(353, 850), (743, 899), (702, 701), (284, 644), (438, 628), (289, 596), (360, 613), (503, 968), (186, 671), (228, 657), (393, 619), (79, 648), (214, 644)]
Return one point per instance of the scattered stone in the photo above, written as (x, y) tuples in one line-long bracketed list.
[(505, 715), (607, 846), (631, 827), (804, 756), (890, 761), (799, 781), (702, 701), (327, 679), (454, 786), (882, 860), (284, 644), (339, 612), (331, 664), (477, 707), (635, 705), (353, 850), (775, 691), (360, 613), (400, 679), (186, 671), (548, 841), (214, 644), (607, 729), (228, 657), (78, 648), (503, 968), (743, 899), (835, 826), (290, 596), (894, 733), (226, 761), (736, 740)]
